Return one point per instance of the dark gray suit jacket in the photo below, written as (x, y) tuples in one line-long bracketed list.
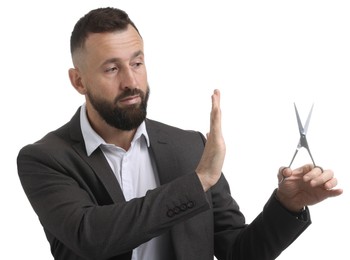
[(85, 216)]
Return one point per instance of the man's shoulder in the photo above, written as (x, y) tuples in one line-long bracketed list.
[(51, 142), (57, 138)]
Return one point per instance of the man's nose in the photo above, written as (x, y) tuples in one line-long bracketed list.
[(129, 79)]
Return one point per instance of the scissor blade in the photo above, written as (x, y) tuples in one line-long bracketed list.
[(301, 129), (306, 126)]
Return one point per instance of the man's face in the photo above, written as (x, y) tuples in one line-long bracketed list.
[(114, 78)]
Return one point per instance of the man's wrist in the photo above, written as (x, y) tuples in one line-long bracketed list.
[(301, 215), (286, 203)]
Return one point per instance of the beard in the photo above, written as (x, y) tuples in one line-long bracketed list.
[(123, 118)]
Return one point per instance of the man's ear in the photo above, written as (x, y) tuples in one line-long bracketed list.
[(75, 79)]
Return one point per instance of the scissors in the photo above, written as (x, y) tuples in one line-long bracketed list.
[(302, 131)]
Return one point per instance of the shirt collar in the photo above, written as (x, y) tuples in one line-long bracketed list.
[(93, 140)]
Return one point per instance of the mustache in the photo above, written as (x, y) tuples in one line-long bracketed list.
[(128, 93)]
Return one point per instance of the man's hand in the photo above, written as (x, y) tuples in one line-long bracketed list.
[(305, 186), (210, 166)]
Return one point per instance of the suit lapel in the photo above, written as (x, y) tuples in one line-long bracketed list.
[(96, 161), (100, 166), (160, 149)]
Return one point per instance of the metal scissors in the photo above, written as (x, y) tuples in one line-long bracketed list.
[(302, 131)]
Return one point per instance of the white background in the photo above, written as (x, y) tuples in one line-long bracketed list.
[(262, 55)]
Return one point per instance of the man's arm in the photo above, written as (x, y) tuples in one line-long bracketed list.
[(71, 204)]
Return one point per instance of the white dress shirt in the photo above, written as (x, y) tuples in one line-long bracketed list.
[(136, 174)]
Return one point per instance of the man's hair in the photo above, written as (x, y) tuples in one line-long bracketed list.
[(99, 20)]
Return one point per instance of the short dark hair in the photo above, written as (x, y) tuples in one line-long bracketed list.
[(99, 20)]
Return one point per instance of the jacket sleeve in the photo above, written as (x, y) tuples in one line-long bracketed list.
[(272, 231), (72, 213)]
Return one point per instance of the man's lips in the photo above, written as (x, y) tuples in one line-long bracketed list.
[(130, 100)]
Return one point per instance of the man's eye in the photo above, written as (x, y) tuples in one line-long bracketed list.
[(112, 69), (138, 64)]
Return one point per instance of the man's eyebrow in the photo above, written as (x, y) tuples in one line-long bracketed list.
[(116, 60), (138, 53)]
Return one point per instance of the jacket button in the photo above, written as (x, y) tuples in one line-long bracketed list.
[(170, 213), (183, 206), (190, 204), (177, 210)]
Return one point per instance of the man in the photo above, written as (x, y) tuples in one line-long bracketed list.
[(113, 184)]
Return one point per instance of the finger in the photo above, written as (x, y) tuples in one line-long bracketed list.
[(334, 192), (283, 173), (331, 184), (215, 108), (305, 169), (317, 172), (323, 178), (319, 168), (216, 99), (215, 116)]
